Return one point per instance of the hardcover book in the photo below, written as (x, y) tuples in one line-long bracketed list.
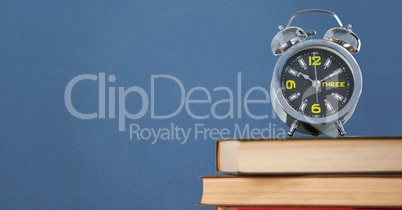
[(310, 156), (313, 190)]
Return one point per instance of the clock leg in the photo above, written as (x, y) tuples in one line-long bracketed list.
[(341, 130), (293, 127)]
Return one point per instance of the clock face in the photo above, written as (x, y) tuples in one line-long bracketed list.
[(316, 82)]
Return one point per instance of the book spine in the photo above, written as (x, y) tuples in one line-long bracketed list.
[(218, 157)]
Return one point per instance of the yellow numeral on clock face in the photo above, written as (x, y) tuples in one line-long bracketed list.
[(314, 60), (316, 109), (290, 84)]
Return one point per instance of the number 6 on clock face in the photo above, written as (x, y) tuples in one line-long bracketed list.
[(316, 109)]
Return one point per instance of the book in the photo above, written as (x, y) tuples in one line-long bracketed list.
[(310, 156), (303, 190), (295, 208)]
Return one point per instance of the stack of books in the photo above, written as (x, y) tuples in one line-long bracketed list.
[(306, 174)]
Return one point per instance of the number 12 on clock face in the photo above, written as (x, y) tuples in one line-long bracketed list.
[(314, 60)]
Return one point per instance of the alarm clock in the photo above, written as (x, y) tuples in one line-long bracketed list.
[(316, 83)]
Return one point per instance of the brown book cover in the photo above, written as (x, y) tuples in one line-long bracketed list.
[(310, 155), (303, 190)]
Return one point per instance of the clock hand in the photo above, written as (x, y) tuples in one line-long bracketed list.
[(316, 86), (305, 76), (333, 74)]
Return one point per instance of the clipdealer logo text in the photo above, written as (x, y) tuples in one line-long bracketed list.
[(112, 97)]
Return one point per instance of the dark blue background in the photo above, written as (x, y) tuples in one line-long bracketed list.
[(52, 160)]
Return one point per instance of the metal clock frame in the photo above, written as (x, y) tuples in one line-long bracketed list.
[(290, 40)]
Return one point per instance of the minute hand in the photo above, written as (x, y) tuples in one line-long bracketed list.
[(333, 74)]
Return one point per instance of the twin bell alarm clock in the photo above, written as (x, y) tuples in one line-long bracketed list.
[(316, 83)]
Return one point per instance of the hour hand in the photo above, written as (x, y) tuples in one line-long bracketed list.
[(305, 76)]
